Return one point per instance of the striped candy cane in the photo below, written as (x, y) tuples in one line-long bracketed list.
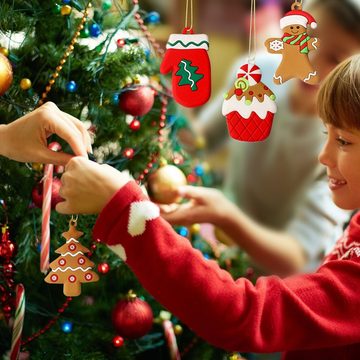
[(171, 340), (46, 211), (18, 322)]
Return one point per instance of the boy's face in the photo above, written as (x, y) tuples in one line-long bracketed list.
[(341, 156)]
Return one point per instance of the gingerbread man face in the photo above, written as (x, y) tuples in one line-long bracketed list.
[(294, 29), (294, 46)]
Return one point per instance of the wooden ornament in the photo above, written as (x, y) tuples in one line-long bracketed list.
[(295, 46)]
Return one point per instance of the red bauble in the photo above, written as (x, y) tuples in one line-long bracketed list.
[(137, 101), (37, 194), (132, 317)]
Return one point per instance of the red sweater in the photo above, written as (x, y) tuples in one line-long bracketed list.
[(310, 317)]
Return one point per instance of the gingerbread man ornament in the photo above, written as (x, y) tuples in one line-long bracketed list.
[(294, 46)]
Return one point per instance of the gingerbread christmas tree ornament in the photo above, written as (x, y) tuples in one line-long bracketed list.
[(249, 106), (72, 267), (187, 57), (295, 46)]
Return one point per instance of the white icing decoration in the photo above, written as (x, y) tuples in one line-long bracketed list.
[(70, 268), (73, 255), (310, 75), (140, 212), (278, 78), (189, 77), (71, 239), (276, 45), (314, 42), (119, 251), (244, 110)]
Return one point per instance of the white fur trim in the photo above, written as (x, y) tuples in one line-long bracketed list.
[(198, 41), (260, 108), (140, 212), (293, 19), (119, 251)]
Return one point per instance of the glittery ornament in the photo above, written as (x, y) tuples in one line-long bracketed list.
[(163, 184), (132, 317)]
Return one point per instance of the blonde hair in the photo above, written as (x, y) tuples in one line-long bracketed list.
[(339, 96)]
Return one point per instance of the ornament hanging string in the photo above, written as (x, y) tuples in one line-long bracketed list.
[(297, 5), (252, 34), (187, 28)]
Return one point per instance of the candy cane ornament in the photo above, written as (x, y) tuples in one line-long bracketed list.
[(46, 212), (171, 340), (18, 322)]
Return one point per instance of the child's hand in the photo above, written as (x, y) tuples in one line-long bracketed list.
[(206, 205), (87, 187), (25, 139)]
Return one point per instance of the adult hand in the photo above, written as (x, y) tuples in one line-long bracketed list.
[(87, 186), (206, 205), (25, 139)]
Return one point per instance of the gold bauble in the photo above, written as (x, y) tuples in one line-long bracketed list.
[(195, 229), (66, 10), (6, 74), (4, 51), (137, 79), (25, 84), (128, 80), (164, 183), (37, 167), (200, 143), (178, 329)]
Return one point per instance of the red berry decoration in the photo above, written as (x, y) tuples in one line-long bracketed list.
[(132, 317), (103, 268), (135, 125), (118, 341), (128, 153), (137, 101), (37, 193)]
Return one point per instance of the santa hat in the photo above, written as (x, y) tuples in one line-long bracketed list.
[(298, 17)]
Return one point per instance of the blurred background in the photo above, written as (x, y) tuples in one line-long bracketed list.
[(227, 25)]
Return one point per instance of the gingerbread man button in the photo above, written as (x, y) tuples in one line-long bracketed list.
[(295, 46)]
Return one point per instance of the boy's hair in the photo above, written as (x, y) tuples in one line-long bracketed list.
[(339, 96)]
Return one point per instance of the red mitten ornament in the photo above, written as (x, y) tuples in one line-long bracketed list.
[(249, 106), (187, 57), (295, 46)]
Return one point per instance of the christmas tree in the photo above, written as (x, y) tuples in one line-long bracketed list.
[(100, 63)]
